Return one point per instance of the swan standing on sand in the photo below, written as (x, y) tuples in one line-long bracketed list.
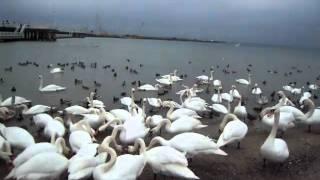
[(190, 143), (47, 165), (164, 160), (50, 87), (274, 149), (16, 136), (233, 130)]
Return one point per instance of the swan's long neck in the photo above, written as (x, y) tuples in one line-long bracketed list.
[(170, 110), (103, 127), (249, 78), (156, 140), (227, 118), (41, 83), (239, 103), (113, 157), (166, 123), (211, 76), (311, 108), (273, 132), (61, 145), (175, 72), (229, 107), (181, 98), (139, 143)]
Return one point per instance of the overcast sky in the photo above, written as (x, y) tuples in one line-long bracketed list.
[(283, 22)]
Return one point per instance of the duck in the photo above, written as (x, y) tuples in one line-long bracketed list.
[(16, 136), (190, 143), (58, 146), (15, 101), (232, 130), (34, 168), (49, 88), (164, 160), (149, 87), (274, 149), (183, 124)]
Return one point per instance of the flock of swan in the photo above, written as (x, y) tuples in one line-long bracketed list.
[(130, 129)]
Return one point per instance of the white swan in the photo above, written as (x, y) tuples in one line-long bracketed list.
[(126, 166), (16, 101), (56, 70), (274, 149), (240, 111), (190, 143), (54, 129), (173, 76), (129, 131), (47, 165), (154, 120), (233, 130), (194, 103), (164, 160), (79, 138), (77, 110), (256, 90), (16, 136), (313, 86), (216, 97), (205, 79), (155, 102), (234, 92), (36, 109), (220, 108), (127, 101), (94, 103), (58, 146), (183, 124), (305, 95), (41, 120), (174, 115), (50, 87), (82, 167), (284, 100), (95, 120), (166, 81), (5, 149), (149, 87), (244, 81), (313, 115)]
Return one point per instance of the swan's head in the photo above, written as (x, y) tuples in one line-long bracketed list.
[(233, 87), (281, 94)]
